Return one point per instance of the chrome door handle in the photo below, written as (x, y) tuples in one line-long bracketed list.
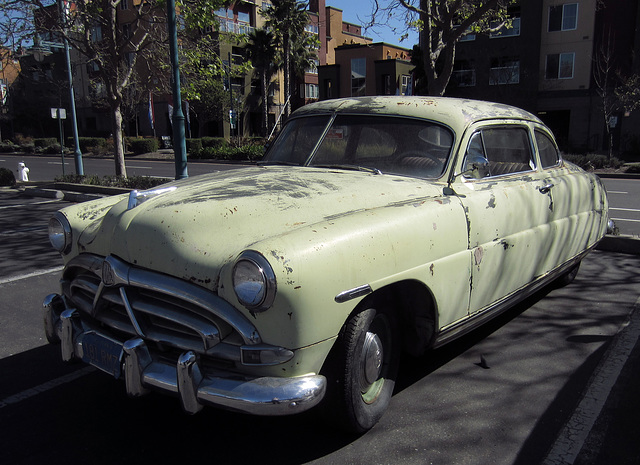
[(545, 189)]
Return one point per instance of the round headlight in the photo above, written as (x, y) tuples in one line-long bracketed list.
[(254, 281), (60, 233)]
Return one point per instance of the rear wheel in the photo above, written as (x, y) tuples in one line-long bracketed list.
[(366, 364)]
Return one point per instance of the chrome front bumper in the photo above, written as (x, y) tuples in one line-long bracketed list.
[(142, 372)]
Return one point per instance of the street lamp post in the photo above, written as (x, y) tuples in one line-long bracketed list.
[(179, 143), (77, 155)]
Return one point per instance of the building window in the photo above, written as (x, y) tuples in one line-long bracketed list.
[(387, 86), (328, 88), (504, 71), (563, 17), (96, 34), (243, 17), (311, 90), (312, 29), (464, 73), (126, 31), (560, 66), (313, 69), (358, 76), (124, 4), (507, 31), (404, 88)]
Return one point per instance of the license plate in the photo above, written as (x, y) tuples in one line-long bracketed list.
[(102, 352)]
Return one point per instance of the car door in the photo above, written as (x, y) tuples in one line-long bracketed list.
[(507, 215), (576, 204)]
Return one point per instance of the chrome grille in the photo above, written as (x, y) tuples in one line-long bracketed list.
[(154, 306)]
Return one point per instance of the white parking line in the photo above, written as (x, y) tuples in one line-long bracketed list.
[(26, 394), (575, 432), (29, 204), (626, 219), (616, 192), (140, 167), (625, 209), (12, 279)]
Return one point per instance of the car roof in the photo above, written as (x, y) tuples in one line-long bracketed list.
[(453, 112)]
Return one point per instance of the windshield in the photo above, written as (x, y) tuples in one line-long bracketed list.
[(390, 145)]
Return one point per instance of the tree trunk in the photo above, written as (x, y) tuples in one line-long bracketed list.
[(118, 146), (265, 104), (287, 77)]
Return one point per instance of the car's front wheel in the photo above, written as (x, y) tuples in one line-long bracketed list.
[(366, 364)]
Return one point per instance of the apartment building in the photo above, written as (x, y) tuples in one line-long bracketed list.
[(367, 69), (545, 63)]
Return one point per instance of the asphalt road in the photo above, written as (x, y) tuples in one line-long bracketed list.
[(46, 168), (447, 409)]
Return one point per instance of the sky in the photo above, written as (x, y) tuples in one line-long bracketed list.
[(358, 11)]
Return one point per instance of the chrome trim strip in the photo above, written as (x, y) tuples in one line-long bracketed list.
[(354, 293)]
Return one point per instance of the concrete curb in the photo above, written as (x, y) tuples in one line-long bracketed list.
[(621, 244)]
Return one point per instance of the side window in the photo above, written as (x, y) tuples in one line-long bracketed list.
[(508, 150), (548, 152)]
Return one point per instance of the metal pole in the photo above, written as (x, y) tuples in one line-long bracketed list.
[(74, 121), (61, 138), (179, 142), (231, 100)]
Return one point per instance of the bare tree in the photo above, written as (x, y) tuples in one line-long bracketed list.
[(605, 77), (440, 24)]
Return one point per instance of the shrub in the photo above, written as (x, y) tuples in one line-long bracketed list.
[(194, 145), (133, 182), (214, 142), (139, 146), (45, 142), (633, 168), (7, 178), (244, 153), (593, 161)]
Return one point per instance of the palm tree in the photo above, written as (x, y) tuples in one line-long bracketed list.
[(304, 55), (287, 20), (262, 53)]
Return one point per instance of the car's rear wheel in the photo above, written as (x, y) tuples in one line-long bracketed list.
[(366, 364)]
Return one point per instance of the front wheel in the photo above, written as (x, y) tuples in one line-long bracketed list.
[(367, 355)]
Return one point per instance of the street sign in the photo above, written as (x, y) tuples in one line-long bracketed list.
[(58, 111)]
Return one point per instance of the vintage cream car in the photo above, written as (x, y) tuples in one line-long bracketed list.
[(375, 225)]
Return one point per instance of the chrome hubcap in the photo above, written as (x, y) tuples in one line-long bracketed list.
[(371, 358)]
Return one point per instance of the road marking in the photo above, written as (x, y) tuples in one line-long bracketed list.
[(625, 209), (20, 231), (625, 219), (29, 204), (57, 163), (140, 167), (616, 192), (28, 393), (575, 432), (12, 279)]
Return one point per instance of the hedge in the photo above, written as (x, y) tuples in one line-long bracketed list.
[(139, 146), (7, 178), (45, 142)]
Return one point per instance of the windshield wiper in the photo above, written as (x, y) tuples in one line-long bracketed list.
[(349, 167)]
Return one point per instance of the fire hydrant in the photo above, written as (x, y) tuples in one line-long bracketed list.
[(23, 172)]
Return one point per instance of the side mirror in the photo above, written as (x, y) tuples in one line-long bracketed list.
[(476, 167)]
